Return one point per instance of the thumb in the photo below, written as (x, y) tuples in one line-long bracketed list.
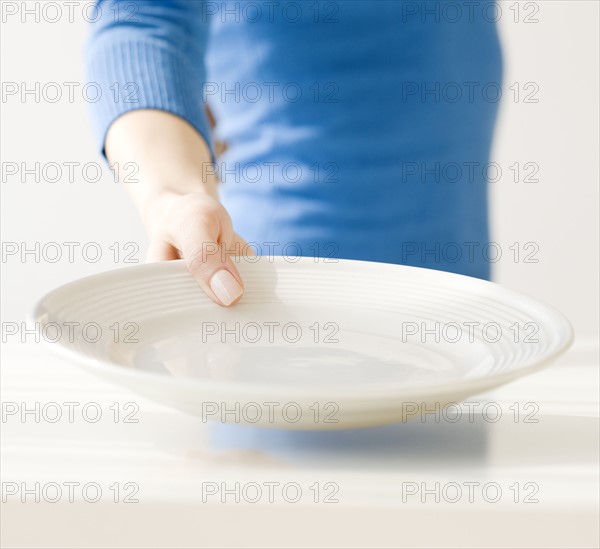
[(212, 268)]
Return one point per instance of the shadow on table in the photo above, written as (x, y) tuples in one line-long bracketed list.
[(552, 440), (409, 441)]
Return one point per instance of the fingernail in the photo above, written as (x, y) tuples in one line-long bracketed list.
[(225, 287)]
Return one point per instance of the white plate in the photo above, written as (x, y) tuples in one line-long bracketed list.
[(313, 344)]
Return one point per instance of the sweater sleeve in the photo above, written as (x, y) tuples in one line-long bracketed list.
[(147, 54)]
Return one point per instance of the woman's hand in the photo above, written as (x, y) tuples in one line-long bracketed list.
[(177, 200), (197, 228)]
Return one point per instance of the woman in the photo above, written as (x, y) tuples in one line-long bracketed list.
[(353, 129)]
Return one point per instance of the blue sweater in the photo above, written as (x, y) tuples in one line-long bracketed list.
[(355, 129)]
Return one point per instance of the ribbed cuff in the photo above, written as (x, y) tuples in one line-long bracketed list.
[(130, 75)]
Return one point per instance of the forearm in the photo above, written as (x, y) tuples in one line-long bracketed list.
[(171, 157), (163, 129)]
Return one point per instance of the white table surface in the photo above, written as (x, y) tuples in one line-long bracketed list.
[(173, 461)]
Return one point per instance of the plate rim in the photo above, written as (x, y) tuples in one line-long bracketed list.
[(106, 368)]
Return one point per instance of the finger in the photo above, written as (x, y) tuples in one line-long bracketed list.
[(238, 243), (226, 234), (235, 245), (159, 250), (212, 269)]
